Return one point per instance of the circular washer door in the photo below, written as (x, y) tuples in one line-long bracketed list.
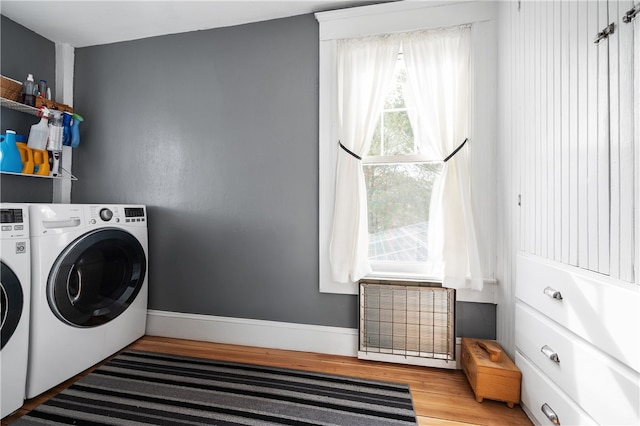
[(11, 303), (96, 277)]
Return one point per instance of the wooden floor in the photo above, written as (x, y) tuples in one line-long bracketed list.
[(440, 397)]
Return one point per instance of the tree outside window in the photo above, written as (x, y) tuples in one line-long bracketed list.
[(398, 186)]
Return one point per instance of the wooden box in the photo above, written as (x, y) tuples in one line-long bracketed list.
[(52, 104), (10, 89), (490, 372)]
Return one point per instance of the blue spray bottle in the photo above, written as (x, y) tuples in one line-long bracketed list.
[(66, 126), (75, 130)]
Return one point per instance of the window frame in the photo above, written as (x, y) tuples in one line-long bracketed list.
[(402, 17)]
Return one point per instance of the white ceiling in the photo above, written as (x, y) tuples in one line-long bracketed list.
[(82, 23)]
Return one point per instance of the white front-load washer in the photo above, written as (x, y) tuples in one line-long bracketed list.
[(15, 288), (89, 287)]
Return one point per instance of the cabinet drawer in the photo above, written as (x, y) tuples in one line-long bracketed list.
[(538, 390), (601, 385), (602, 311)]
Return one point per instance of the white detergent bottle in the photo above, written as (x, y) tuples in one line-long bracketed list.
[(40, 132)]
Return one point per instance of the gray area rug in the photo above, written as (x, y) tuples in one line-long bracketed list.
[(142, 388)]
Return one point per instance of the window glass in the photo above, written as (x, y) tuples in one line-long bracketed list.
[(398, 198), (398, 187), (394, 134)]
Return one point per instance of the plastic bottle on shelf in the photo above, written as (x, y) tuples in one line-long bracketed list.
[(29, 89), (54, 144), (10, 160), (39, 133), (26, 155), (66, 125), (42, 88), (75, 130)]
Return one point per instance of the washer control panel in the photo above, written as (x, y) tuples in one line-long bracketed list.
[(106, 214), (134, 214), (103, 214), (11, 216), (117, 215), (13, 223)]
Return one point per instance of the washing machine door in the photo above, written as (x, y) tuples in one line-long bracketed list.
[(97, 277), (11, 303)]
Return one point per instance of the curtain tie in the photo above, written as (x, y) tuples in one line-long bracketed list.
[(456, 150), (353, 154)]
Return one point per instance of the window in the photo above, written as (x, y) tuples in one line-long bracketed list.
[(394, 160), (399, 184)]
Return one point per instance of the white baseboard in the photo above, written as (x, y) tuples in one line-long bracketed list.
[(248, 332), (259, 333)]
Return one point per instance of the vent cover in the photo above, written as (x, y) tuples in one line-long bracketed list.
[(408, 324)]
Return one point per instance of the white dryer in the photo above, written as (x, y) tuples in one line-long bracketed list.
[(89, 287), (15, 286)]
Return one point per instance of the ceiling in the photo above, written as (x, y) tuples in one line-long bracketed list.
[(93, 22)]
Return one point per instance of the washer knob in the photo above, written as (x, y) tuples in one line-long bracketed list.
[(106, 214)]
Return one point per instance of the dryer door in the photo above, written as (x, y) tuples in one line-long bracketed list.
[(11, 303), (96, 277)]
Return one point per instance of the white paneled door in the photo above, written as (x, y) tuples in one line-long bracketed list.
[(579, 183)]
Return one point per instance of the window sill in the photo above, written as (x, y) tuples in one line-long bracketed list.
[(487, 295), (415, 278)]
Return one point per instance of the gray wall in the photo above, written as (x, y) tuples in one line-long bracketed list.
[(476, 320), (217, 133), (22, 52)]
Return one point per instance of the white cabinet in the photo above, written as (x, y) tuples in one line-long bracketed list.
[(576, 344), (602, 311), (577, 114), (538, 391), (577, 290)]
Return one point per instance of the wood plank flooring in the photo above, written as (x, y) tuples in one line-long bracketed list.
[(440, 397)]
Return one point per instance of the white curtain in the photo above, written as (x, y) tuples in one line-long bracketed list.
[(438, 65), (365, 69)]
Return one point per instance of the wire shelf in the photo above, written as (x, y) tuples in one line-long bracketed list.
[(7, 103)]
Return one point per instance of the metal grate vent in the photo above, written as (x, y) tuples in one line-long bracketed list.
[(403, 322)]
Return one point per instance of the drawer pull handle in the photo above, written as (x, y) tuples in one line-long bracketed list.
[(550, 353), (553, 293), (551, 415)]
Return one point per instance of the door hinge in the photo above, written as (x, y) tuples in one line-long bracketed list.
[(608, 30), (631, 14)]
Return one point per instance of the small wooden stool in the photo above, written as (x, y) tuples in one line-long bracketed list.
[(490, 372)]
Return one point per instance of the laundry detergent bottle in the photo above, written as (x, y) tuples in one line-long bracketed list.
[(75, 130), (40, 132), (10, 160), (66, 128)]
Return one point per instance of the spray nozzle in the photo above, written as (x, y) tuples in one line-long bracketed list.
[(44, 111)]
